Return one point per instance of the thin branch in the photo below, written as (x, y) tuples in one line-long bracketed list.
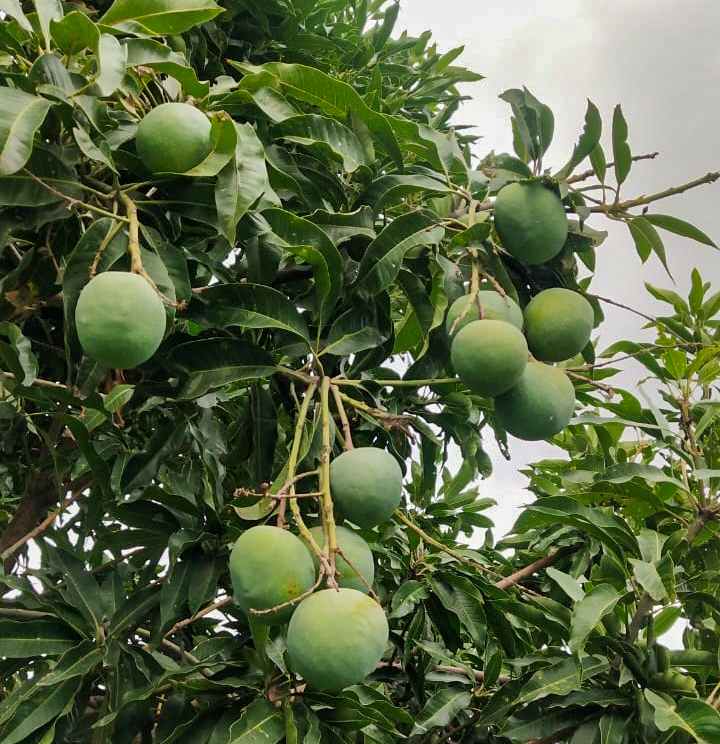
[(43, 525), (621, 207), (590, 172), (200, 613), (609, 391), (37, 381), (170, 646), (342, 413), (528, 571)]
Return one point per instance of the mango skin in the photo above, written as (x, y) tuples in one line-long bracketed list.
[(489, 356), (366, 485), (336, 638), (558, 324), (119, 319), (539, 406), (269, 566), (356, 550), (496, 307), (530, 221), (173, 138)]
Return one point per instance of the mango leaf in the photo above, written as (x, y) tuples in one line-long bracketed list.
[(588, 612), (393, 187), (156, 56), (26, 366), (625, 471), (241, 182), (696, 717), (310, 243), (441, 708), (649, 579), (81, 589), (12, 8), (224, 137), (111, 61), (248, 306), (260, 723), (341, 226), (42, 636), (647, 240), (353, 331), (330, 95), (332, 136), (540, 726), (158, 19), (562, 678), (680, 227), (607, 528), (586, 143), (621, 151), (74, 32), (570, 585), (384, 256), (20, 117), (45, 704), (215, 362), (533, 121), (76, 662), (47, 11)]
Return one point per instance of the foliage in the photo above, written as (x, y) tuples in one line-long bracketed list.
[(306, 266)]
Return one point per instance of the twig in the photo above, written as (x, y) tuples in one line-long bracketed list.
[(528, 571), (621, 207), (38, 381), (282, 605), (591, 172), (72, 201), (43, 525), (200, 613), (342, 413), (170, 646), (609, 391)]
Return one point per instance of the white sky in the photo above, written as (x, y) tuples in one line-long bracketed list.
[(659, 60)]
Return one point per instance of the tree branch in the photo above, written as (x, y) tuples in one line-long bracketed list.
[(528, 571)]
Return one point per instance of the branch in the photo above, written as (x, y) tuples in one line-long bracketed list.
[(591, 172), (528, 571), (200, 613), (621, 207)]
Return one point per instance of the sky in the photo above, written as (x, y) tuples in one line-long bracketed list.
[(658, 59)]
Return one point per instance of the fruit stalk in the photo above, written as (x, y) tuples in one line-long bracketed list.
[(327, 503), (347, 435)]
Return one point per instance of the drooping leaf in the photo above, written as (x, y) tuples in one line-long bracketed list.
[(260, 723), (621, 150), (588, 612), (154, 18), (20, 117), (441, 708), (587, 142)]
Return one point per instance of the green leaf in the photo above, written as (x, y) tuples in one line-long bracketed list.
[(696, 717), (156, 56), (330, 135), (609, 529), (12, 8), (310, 243), (158, 19), (649, 578), (330, 95), (533, 123), (562, 678), (75, 32), (47, 11), (612, 729), (588, 612), (441, 708), (19, 639), (393, 187), (621, 151), (132, 612), (384, 256), (248, 306), (260, 723), (587, 142), (224, 138), (598, 162), (81, 590), (76, 662), (215, 362), (680, 227), (20, 117), (567, 583), (27, 363), (44, 705), (647, 240), (241, 182), (625, 471), (353, 331), (111, 62)]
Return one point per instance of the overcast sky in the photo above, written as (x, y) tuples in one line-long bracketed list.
[(659, 59)]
